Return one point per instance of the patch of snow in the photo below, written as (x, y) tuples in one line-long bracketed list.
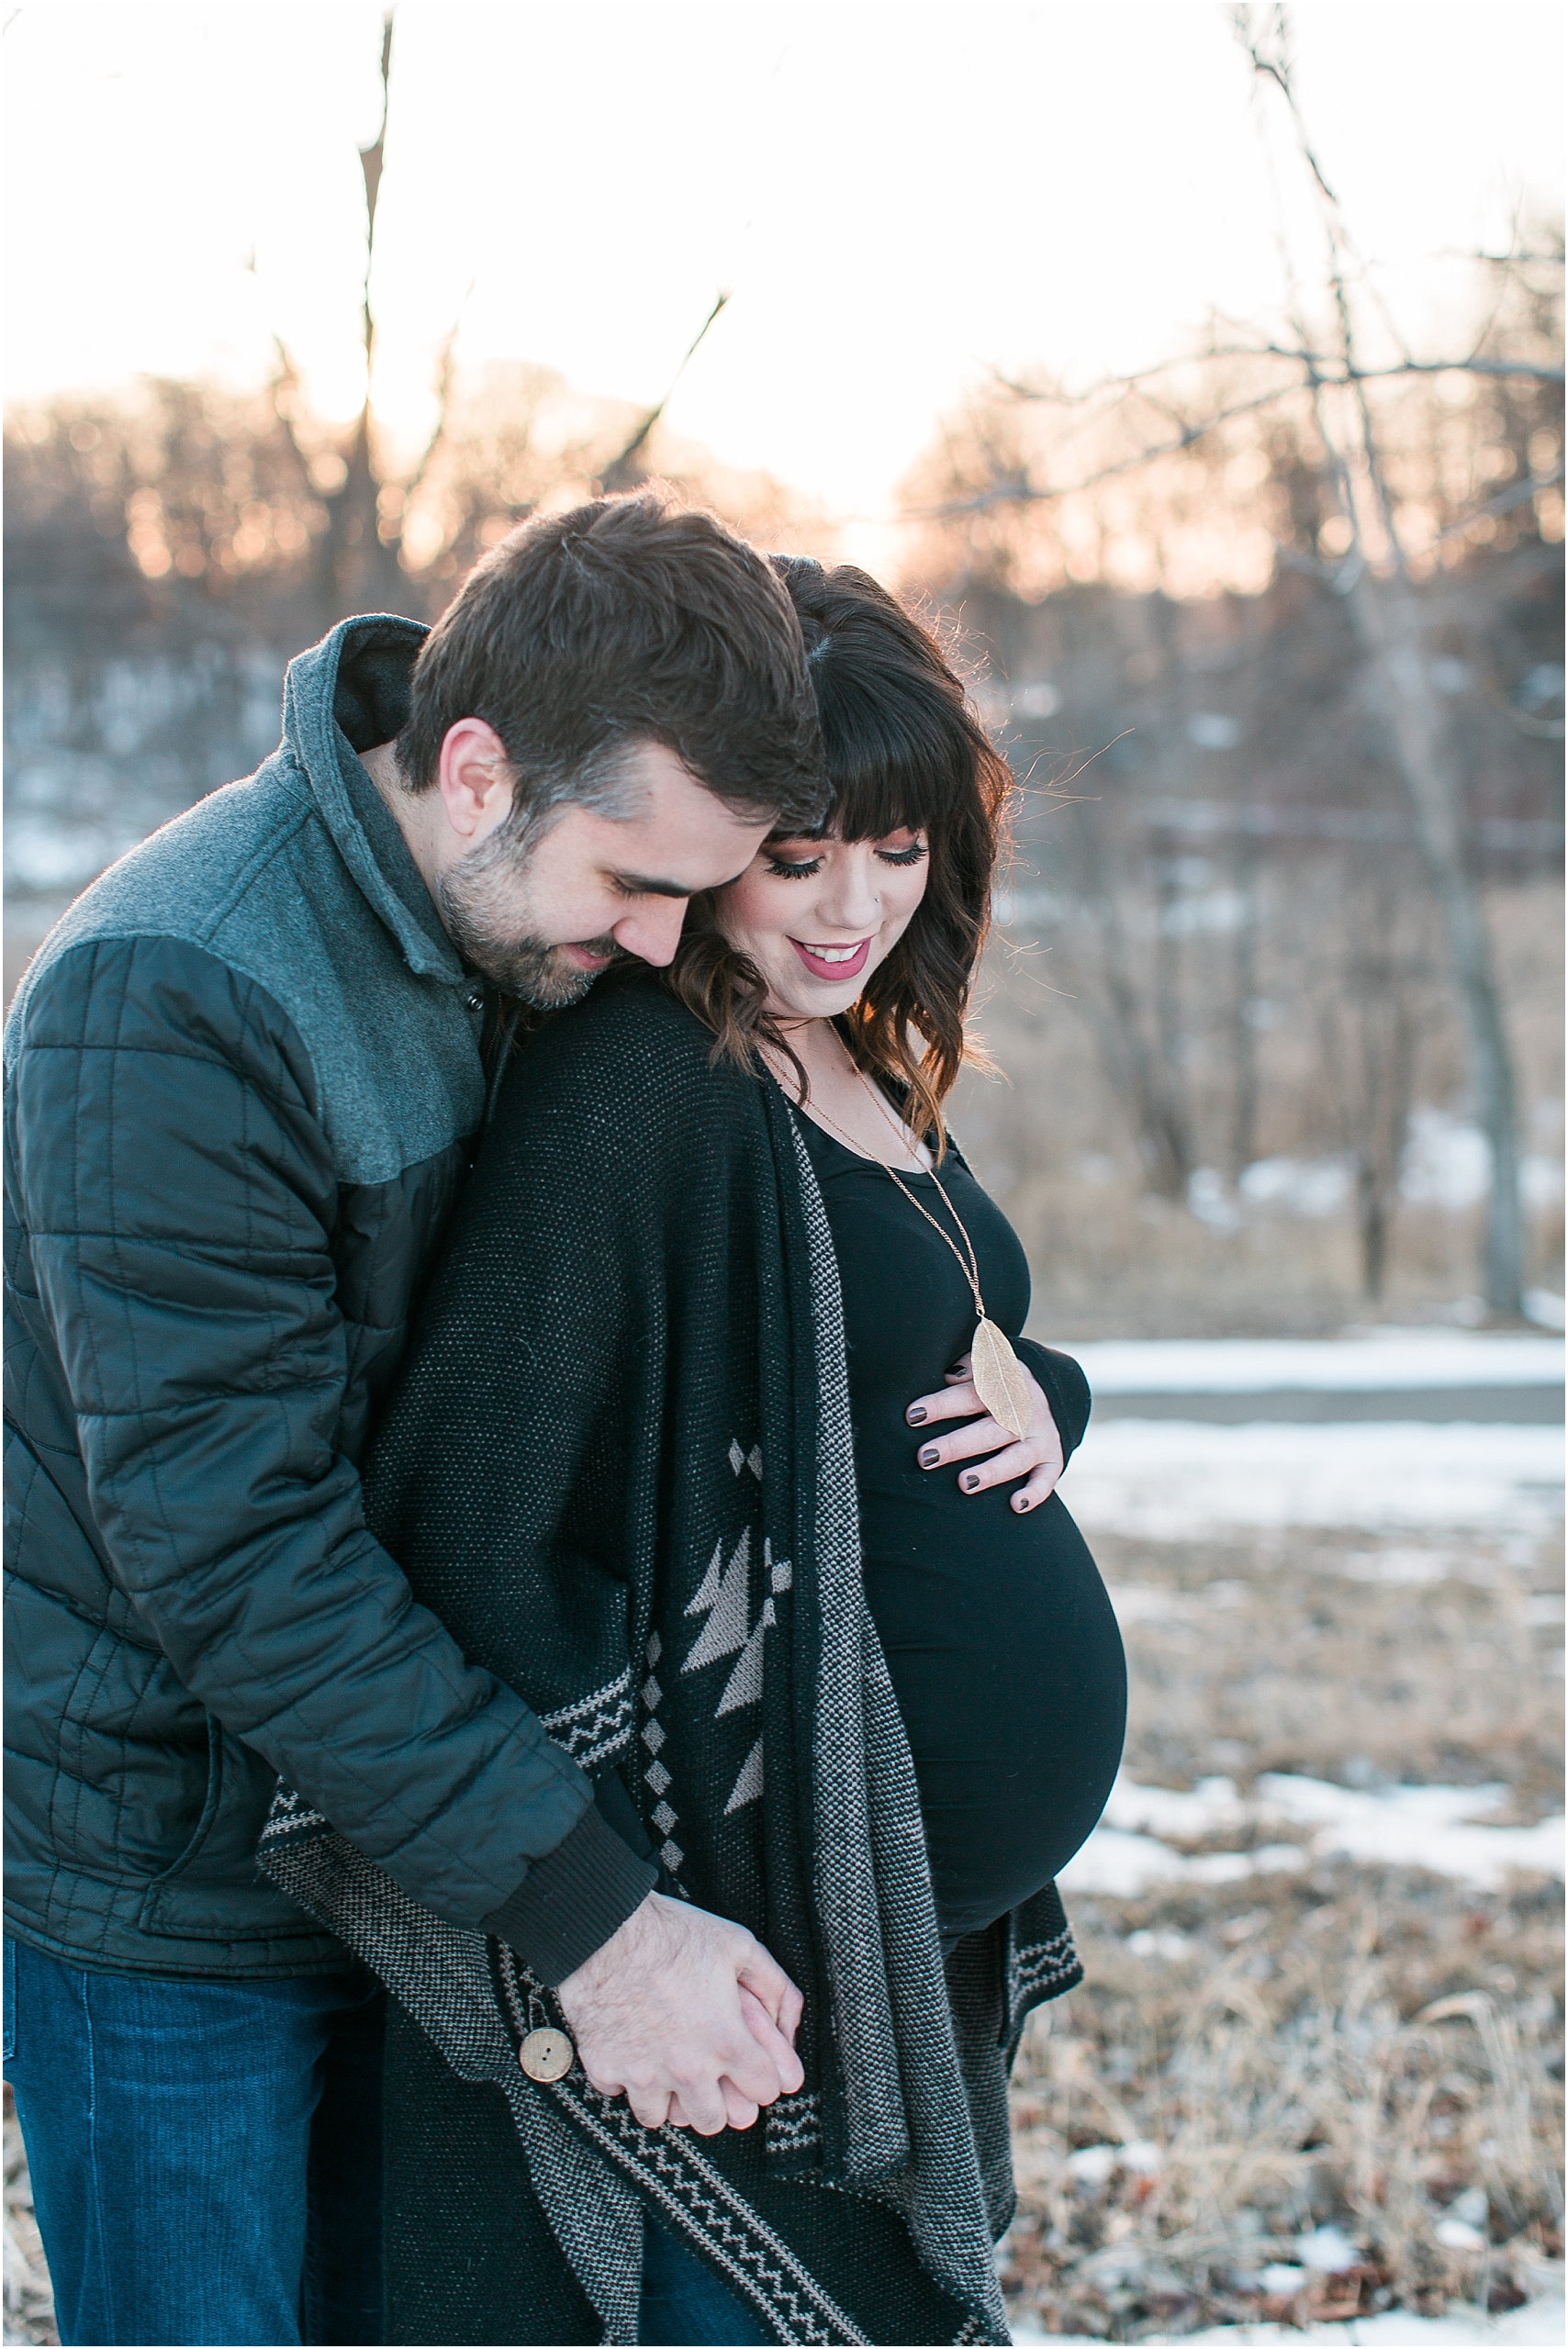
[(1307, 1187), (1420, 1826), (1124, 1865), (1377, 1362), (1209, 1200), (1539, 2325), (1437, 1828), (1541, 1179), (1327, 2250), (1158, 1944), (1545, 1308), (1173, 1479), (1446, 1163), (1279, 2278), (1215, 912), (1457, 2234)]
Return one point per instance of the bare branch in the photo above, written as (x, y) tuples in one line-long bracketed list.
[(1020, 491), (1519, 494), (371, 159), (617, 474), (286, 379), (444, 373)]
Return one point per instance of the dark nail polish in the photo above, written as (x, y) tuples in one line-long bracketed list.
[(971, 1483), (930, 1456), (915, 1416)]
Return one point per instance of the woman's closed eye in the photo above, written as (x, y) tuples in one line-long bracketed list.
[(800, 869)]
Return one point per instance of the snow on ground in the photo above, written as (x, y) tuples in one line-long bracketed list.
[(1437, 1827), (1539, 2325), (1174, 1480), (1379, 1361)]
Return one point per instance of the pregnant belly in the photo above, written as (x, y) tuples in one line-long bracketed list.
[(1008, 1668)]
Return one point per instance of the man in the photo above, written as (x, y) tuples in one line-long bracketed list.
[(243, 1077)]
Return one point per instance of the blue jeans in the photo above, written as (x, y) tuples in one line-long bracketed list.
[(206, 2156), (684, 2302)]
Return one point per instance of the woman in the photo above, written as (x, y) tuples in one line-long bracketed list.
[(858, 1689)]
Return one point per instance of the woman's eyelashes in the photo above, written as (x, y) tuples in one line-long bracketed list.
[(783, 869)]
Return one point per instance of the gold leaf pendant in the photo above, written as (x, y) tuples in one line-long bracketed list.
[(1000, 1381)]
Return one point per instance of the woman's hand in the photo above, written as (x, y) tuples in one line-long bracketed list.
[(1039, 1458)]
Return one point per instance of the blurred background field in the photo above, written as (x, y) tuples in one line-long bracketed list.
[(1198, 370)]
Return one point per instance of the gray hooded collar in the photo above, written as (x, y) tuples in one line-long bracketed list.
[(345, 694)]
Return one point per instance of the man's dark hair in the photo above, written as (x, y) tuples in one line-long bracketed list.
[(625, 620)]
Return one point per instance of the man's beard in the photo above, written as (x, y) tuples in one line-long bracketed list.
[(481, 906)]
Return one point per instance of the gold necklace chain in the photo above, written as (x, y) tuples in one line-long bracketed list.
[(970, 1270), (996, 1371)]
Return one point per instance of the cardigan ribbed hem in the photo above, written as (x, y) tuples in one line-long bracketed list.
[(570, 1902)]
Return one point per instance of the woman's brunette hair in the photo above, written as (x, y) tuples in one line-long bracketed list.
[(902, 748)]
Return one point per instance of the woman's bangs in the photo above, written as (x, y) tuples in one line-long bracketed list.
[(873, 801)]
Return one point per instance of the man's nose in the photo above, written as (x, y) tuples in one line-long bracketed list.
[(653, 932)]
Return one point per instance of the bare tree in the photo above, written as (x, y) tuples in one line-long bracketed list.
[(1205, 413)]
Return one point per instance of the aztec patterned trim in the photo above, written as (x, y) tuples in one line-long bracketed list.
[(690, 2193), (794, 2124), (1048, 1967), (290, 1815), (597, 1726)]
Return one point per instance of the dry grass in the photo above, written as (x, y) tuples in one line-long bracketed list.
[(1347, 2046), (29, 2303), (1352, 2046)]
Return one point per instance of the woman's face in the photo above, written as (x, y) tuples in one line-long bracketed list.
[(817, 916)]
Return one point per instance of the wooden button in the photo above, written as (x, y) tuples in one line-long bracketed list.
[(546, 2054)]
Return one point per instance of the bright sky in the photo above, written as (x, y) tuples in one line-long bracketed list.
[(900, 195)]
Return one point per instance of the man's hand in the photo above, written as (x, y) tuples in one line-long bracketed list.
[(688, 2016), (1039, 1458)]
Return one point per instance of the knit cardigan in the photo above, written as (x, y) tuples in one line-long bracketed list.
[(620, 1469)]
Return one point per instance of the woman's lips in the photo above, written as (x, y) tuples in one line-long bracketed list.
[(842, 965)]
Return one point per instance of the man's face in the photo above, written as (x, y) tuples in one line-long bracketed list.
[(543, 925)]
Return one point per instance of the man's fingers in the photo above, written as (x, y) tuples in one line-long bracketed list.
[(773, 2042), (739, 2111), (701, 2107), (649, 2106), (766, 1979)]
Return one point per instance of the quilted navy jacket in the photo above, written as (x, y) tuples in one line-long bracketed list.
[(242, 1077)]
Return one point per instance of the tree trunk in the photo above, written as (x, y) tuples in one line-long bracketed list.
[(1388, 620)]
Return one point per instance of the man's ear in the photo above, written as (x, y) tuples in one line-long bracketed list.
[(473, 778)]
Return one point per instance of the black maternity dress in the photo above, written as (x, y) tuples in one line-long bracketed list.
[(999, 1634)]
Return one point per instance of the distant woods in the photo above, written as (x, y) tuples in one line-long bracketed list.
[(1395, 520), (1244, 1003)]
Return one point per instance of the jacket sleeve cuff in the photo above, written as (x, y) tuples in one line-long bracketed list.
[(570, 1901), (1066, 1388)]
